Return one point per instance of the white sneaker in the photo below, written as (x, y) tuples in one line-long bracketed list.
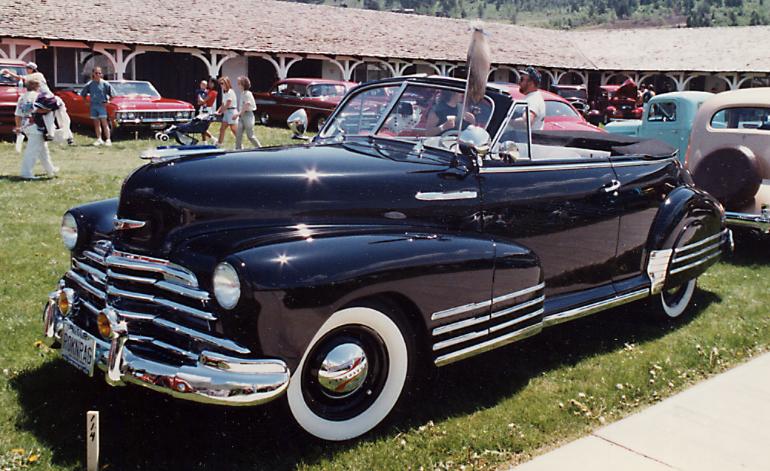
[(108, 143), (214, 141), (98, 143)]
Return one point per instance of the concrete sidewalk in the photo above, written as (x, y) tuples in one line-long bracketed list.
[(720, 424)]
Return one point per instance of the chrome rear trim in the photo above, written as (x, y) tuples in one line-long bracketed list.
[(459, 325), (695, 264), (506, 297), (518, 307), (592, 308), (698, 253), (459, 339), (657, 267), (86, 285), (459, 310), (515, 321), (687, 247), (488, 345)]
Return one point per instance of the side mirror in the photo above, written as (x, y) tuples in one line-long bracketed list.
[(508, 152), (297, 122), (474, 142)]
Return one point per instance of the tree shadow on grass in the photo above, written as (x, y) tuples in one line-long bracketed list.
[(141, 429)]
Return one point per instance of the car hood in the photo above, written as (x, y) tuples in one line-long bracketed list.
[(628, 127), (331, 185), (9, 94), (139, 102), (568, 124)]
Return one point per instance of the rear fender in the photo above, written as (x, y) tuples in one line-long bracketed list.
[(689, 221), (296, 285)]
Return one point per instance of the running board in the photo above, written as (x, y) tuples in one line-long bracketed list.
[(593, 308)]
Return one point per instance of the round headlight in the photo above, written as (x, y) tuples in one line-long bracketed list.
[(69, 231), (130, 115), (227, 286)]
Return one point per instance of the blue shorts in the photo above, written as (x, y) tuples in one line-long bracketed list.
[(98, 111)]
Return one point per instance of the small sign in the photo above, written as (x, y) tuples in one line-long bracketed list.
[(92, 440)]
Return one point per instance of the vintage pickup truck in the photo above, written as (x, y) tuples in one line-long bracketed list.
[(668, 117), (336, 272)]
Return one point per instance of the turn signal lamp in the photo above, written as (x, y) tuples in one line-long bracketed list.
[(103, 323), (65, 301)]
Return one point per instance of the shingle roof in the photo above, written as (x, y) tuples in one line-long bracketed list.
[(275, 27)]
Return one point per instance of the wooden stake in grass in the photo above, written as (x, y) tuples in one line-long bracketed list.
[(92, 440)]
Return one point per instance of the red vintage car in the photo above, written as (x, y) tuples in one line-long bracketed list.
[(560, 115), (9, 94), (616, 102), (136, 104), (318, 97)]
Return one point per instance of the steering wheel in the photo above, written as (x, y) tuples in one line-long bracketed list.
[(448, 138)]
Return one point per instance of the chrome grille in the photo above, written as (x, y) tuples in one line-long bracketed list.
[(161, 302)]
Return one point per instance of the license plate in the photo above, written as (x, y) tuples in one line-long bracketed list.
[(78, 348)]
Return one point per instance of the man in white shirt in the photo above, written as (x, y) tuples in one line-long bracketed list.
[(528, 85)]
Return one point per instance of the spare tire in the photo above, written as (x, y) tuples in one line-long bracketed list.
[(730, 175)]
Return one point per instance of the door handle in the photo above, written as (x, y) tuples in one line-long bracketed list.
[(612, 186)]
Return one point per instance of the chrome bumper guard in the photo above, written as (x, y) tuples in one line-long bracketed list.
[(760, 222), (215, 379)]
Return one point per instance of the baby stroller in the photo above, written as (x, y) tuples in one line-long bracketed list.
[(184, 133)]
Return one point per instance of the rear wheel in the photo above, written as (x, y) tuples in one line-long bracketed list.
[(352, 374), (264, 118), (674, 302)]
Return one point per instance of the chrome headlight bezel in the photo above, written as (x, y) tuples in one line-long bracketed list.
[(69, 231), (227, 285)]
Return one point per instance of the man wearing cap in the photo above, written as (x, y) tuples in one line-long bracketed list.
[(528, 85), (32, 73)]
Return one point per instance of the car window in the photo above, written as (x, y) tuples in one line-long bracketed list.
[(134, 88), (742, 118), (280, 89), (421, 111), (360, 114), (662, 111), (326, 89), (558, 108), (6, 80), (514, 140)]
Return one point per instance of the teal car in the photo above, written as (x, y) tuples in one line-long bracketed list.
[(667, 117)]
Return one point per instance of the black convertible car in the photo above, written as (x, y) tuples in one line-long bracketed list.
[(333, 271)]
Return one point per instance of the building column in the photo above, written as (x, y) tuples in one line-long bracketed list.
[(25, 45), (213, 60), (399, 67)]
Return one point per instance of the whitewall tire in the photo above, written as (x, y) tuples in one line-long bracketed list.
[(674, 302), (367, 391)]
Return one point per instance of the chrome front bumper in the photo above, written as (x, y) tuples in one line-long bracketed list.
[(215, 379), (760, 222)]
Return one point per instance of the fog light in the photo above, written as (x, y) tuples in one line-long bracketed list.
[(103, 323), (66, 301)]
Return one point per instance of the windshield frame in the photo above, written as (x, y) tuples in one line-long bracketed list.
[(395, 99), (16, 69), (116, 84)]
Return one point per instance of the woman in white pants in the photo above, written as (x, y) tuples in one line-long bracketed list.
[(246, 116), (37, 147)]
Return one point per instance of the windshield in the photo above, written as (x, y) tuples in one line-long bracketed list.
[(326, 89), (558, 108), (135, 88), (18, 70), (573, 93)]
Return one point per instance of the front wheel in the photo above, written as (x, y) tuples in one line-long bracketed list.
[(352, 374), (673, 302), (264, 118)]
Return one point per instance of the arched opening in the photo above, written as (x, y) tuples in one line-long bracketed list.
[(88, 60), (410, 70), (368, 71), (503, 74), (262, 74), (182, 84), (306, 68), (459, 71), (571, 78), (616, 79), (753, 82), (661, 83)]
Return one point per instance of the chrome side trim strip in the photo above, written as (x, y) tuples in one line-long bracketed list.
[(698, 253), (695, 264), (446, 196), (459, 310), (482, 304), (488, 345), (86, 285), (759, 221), (123, 224), (515, 321), (545, 167), (459, 325), (516, 294), (518, 307), (459, 339), (634, 163), (579, 312), (700, 242)]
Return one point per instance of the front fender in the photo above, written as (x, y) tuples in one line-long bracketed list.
[(95, 220), (298, 284)]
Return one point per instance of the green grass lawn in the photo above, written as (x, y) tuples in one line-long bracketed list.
[(506, 405)]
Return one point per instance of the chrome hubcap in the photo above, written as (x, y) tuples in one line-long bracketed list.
[(343, 370)]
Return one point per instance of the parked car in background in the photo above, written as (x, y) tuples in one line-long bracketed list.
[(9, 94), (137, 104), (668, 117), (560, 114), (318, 97), (729, 154), (338, 271), (616, 102), (577, 95)]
